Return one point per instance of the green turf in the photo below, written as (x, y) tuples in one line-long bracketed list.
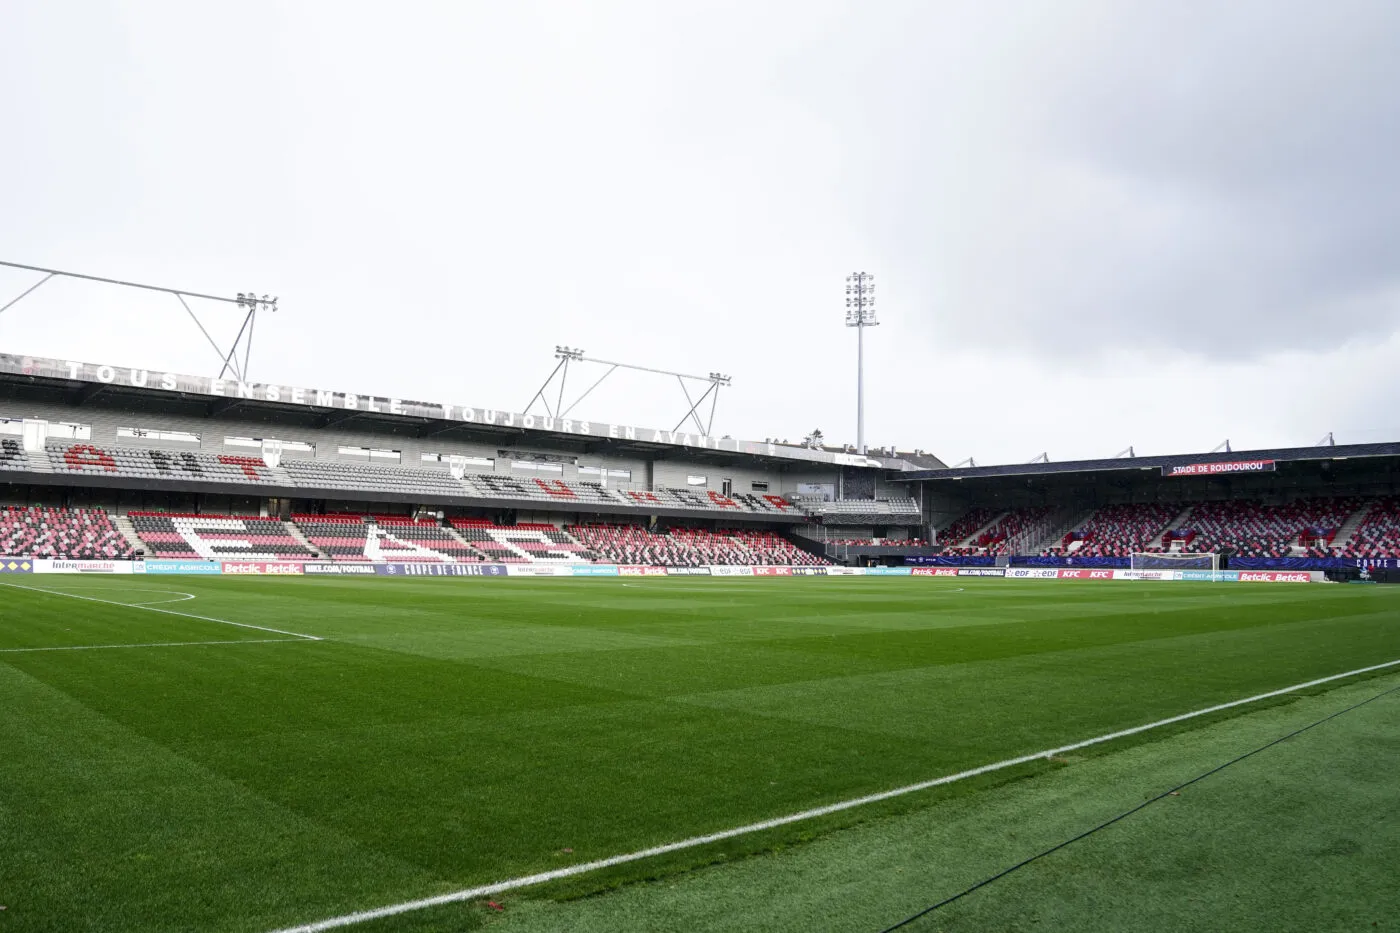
[(1304, 836), (447, 733)]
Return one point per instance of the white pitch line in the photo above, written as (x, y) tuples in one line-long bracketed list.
[(156, 644), (526, 881), (169, 612)]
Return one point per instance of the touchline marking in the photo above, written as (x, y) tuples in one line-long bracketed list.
[(169, 612), (156, 644), (526, 881)]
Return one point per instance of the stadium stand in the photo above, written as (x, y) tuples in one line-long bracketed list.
[(234, 537), (402, 482), (1252, 529), (162, 464), (518, 544), (67, 534), (339, 537), (963, 528), (1378, 535), (1119, 531), (691, 547), (427, 534), (12, 455), (1002, 537)]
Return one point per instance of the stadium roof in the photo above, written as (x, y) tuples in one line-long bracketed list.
[(1211, 464), (79, 383)]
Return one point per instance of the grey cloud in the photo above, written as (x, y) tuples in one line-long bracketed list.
[(1212, 178)]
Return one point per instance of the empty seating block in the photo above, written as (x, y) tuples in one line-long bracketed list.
[(520, 544), (68, 534), (1120, 531), (1378, 535), (165, 465), (409, 539), (966, 524), (12, 455), (691, 547), (215, 537), (339, 537), (1252, 529)]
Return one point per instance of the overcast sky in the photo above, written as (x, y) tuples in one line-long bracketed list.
[(1093, 224)]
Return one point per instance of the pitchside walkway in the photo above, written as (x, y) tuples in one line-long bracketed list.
[(1302, 836)]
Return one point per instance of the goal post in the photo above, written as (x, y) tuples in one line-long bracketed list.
[(1174, 561)]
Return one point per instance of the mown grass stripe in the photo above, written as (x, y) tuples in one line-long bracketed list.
[(571, 871)]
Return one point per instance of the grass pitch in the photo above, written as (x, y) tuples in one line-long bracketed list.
[(446, 733)]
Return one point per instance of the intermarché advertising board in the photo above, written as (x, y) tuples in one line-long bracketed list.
[(45, 565)]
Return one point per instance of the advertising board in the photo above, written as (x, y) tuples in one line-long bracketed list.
[(809, 571), (16, 565), (636, 570), (687, 571), (540, 570), (1032, 573), (440, 570), (347, 569), (1150, 576), (1211, 576), (201, 568), (261, 568), (726, 570), (772, 571), (1083, 573), (845, 571), (887, 571), (1275, 576), (981, 572), (934, 571), (45, 565), (593, 570)]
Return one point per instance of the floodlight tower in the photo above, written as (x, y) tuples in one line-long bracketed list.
[(860, 314)]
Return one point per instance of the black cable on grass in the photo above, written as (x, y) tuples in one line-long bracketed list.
[(1127, 813)]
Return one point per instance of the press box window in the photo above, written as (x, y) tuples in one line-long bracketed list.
[(298, 446), (480, 462), (370, 453), (147, 434), (59, 429), (538, 466)]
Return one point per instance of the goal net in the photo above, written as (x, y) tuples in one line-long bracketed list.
[(1163, 561)]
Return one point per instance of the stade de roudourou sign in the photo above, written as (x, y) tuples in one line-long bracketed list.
[(373, 404), (1215, 469)]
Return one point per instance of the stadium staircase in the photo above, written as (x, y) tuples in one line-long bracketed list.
[(1180, 521), (1055, 532), (128, 530), (297, 536), (1347, 533)]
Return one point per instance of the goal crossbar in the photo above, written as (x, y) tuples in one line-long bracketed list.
[(1167, 560)]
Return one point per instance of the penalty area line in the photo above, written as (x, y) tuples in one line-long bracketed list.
[(169, 612), (571, 871)]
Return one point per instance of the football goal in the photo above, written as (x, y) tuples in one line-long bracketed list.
[(1175, 561)]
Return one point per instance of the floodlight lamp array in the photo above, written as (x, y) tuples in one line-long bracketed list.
[(860, 300)]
